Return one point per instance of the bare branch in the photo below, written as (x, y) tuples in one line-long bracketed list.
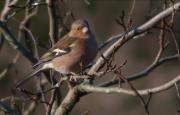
[(30, 109), (175, 40), (3, 17), (144, 72), (68, 103), (5, 70), (132, 33), (53, 22), (14, 43), (158, 89), (6, 9), (161, 41)]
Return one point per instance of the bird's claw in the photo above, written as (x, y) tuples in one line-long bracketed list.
[(73, 78)]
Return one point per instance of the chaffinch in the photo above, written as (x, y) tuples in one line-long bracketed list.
[(72, 52)]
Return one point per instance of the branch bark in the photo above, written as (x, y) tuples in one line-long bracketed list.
[(158, 89), (68, 103)]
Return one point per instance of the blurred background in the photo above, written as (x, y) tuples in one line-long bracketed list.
[(139, 53)]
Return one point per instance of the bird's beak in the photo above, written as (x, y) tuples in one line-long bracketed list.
[(84, 30)]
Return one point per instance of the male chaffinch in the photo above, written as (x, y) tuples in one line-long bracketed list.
[(77, 48)]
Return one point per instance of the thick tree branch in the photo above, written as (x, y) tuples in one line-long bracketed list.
[(68, 103)]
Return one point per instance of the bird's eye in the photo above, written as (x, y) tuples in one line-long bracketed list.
[(79, 28)]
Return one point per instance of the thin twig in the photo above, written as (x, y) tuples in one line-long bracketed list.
[(5, 70), (177, 90), (129, 24), (144, 72), (14, 43), (132, 33), (175, 40), (53, 22), (161, 41)]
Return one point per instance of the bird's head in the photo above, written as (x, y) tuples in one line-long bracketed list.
[(80, 29)]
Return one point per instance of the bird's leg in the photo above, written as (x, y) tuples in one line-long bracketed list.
[(73, 76)]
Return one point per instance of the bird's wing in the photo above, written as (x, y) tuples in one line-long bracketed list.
[(63, 46)]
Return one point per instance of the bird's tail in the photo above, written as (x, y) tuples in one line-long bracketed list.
[(30, 75)]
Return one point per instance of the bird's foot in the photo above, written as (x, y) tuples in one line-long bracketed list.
[(75, 77)]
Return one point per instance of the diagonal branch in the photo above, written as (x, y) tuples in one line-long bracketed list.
[(72, 96), (139, 30)]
